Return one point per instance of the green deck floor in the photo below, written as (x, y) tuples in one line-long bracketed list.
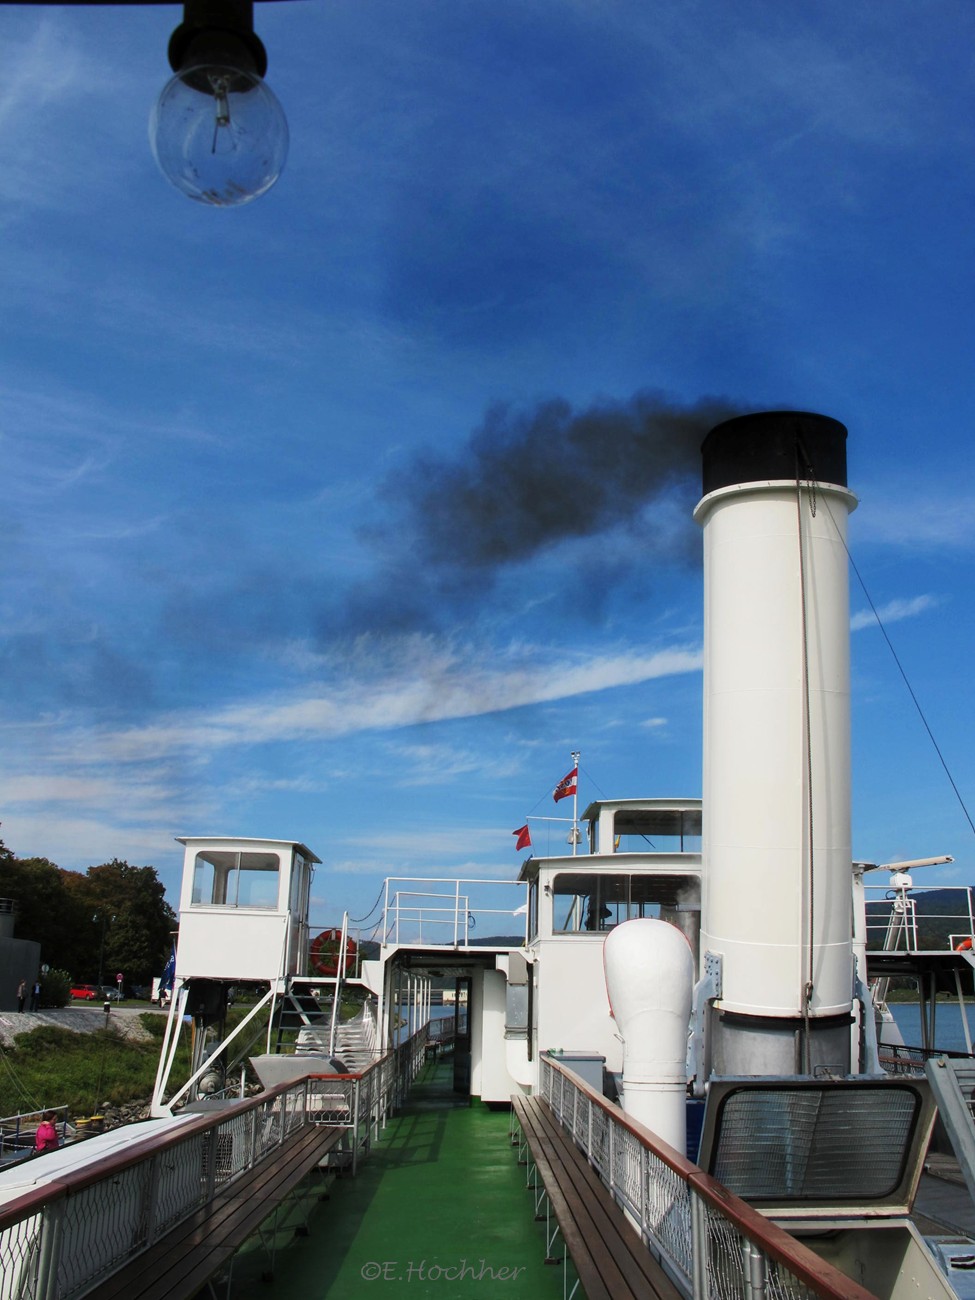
[(439, 1208)]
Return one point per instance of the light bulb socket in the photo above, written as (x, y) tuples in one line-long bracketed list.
[(218, 32)]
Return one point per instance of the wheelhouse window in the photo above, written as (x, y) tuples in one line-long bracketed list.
[(226, 879), (591, 902)]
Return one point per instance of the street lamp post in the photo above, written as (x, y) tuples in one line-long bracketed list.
[(106, 922)]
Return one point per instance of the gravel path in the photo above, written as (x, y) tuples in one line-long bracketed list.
[(81, 1020)]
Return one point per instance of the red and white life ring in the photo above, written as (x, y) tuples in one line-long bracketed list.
[(964, 946), (324, 950)]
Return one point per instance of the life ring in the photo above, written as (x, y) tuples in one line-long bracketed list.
[(964, 946), (324, 950)]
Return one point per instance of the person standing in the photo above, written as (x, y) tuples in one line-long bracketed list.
[(35, 996), (46, 1137), (21, 994)]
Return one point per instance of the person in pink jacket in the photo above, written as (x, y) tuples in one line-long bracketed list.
[(46, 1137)]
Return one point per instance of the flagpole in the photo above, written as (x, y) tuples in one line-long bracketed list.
[(575, 806)]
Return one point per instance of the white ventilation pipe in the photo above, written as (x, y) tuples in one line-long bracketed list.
[(650, 978)]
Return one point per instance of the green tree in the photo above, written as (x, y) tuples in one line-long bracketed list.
[(47, 909), (130, 902), (113, 918)]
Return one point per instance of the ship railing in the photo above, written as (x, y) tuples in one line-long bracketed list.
[(896, 1058), (895, 923), (62, 1238), (17, 1131), (711, 1242), (444, 911)]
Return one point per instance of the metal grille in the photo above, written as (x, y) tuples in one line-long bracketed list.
[(822, 1143), (179, 1183), (667, 1214), (103, 1225), (19, 1257), (330, 1101)]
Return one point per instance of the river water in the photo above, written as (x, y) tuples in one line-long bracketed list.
[(949, 1033)]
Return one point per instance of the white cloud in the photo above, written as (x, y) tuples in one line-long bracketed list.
[(434, 684), (894, 611)]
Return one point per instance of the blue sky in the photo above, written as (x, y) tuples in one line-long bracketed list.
[(319, 519)]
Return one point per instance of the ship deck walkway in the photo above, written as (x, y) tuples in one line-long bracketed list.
[(439, 1208)]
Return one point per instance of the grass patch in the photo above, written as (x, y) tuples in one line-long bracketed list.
[(56, 1067)]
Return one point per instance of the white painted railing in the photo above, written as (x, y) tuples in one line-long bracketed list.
[(442, 910)]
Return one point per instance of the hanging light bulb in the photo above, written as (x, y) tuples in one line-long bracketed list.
[(217, 130)]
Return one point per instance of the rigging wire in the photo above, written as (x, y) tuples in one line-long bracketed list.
[(807, 720), (359, 920), (18, 1086), (905, 679)]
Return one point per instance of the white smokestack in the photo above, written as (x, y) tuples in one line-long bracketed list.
[(650, 978), (776, 830)]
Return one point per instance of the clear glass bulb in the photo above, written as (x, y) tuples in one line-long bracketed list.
[(219, 134)]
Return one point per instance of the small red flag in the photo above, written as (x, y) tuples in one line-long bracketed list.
[(524, 840), (566, 786)]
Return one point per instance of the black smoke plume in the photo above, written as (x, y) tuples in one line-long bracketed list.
[(528, 481)]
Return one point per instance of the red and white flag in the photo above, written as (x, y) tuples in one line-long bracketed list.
[(566, 786), (524, 840)]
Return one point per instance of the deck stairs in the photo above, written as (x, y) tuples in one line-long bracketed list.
[(301, 1011), (952, 1082), (356, 1044), (355, 1040)]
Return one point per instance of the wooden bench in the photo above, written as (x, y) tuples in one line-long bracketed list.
[(611, 1261), (177, 1265)]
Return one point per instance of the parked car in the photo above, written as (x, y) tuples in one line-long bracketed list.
[(86, 992), (110, 993)]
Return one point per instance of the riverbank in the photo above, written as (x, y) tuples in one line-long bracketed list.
[(79, 1020)]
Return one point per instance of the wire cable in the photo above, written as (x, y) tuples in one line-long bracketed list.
[(905, 679), (358, 920)]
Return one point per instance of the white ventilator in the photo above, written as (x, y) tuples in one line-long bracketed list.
[(650, 978)]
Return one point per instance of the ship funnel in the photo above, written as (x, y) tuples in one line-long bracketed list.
[(776, 850), (649, 979)]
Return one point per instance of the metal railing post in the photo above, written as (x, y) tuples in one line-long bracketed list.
[(754, 1270), (611, 1172), (699, 1247), (52, 1218), (356, 1098), (644, 1180)]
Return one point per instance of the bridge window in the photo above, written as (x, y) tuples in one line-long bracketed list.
[(228, 879), (582, 903)]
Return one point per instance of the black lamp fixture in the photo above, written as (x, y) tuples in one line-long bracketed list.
[(217, 130)]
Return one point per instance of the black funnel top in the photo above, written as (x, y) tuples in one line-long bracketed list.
[(774, 445)]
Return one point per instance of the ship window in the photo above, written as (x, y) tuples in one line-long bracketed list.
[(227, 879), (533, 909), (584, 903)]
